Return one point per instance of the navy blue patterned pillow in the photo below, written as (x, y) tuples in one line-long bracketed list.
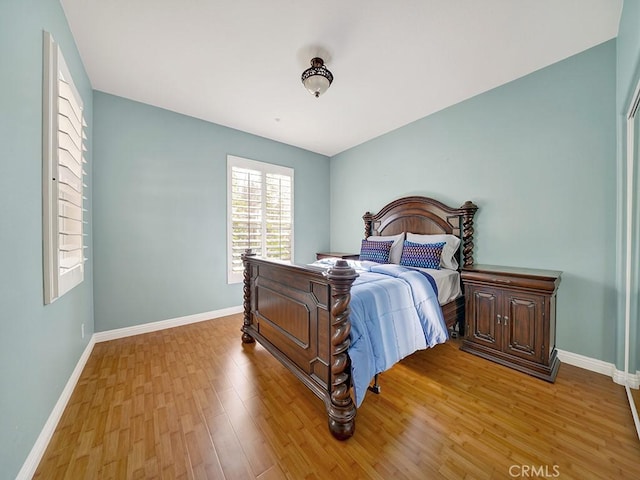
[(375, 251), (423, 255)]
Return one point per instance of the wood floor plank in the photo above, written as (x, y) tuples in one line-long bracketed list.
[(194, 402)]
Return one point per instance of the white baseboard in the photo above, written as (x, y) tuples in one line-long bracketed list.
[(630, 379), (598, 366), (162, 324), (33, 459)]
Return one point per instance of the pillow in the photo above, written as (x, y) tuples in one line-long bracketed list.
[(425, 255), (375, 251), (448, 259), (396, 248)]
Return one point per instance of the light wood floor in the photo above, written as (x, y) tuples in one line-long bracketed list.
[(193, 402), (636, 398), (635, 394)]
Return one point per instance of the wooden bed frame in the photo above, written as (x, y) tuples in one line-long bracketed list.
[(300, 313)]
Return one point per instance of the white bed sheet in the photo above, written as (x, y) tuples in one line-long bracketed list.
[(448, 282)]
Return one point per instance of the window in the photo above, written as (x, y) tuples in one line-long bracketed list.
[(63, 171), (260, 212)]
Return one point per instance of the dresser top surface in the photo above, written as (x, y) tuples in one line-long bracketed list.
[(513, 271)]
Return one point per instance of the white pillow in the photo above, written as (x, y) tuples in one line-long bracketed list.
[(448, 257), (395, 254)]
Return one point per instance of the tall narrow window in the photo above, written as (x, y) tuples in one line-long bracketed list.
[(260, 212), (63, 176)]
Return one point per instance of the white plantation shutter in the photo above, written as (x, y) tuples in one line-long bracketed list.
[(260, 212), (63, 176), (246, 214), (279, 223)]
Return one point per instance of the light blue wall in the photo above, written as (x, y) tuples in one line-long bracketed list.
[(160, 210), (538, 158), (628, 75), (39, 345)]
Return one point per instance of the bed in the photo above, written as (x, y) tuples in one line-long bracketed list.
[(301, 313)]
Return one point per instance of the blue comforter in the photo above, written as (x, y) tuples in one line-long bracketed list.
[(394, 312)]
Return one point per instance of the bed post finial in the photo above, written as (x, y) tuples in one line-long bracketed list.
[(246, 338), (469, 210), (341, 410), (368, 219)]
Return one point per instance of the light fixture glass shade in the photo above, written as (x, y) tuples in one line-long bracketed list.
[(317, 78), (316, 84)]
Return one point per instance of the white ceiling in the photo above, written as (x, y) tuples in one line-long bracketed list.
[(238, 62)]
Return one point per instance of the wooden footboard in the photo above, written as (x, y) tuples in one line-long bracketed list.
[(301, 315)]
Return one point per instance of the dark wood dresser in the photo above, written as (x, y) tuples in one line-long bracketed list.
[(511, 317)]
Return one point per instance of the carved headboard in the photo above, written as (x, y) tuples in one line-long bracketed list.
[(424, 215)]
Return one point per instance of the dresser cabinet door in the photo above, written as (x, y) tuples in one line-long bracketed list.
[(482, 311), (523, 325)]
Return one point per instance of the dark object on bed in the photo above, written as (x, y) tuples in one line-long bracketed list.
[(301, 313)]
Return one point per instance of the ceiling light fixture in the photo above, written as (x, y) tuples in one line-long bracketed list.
[(317, 78)]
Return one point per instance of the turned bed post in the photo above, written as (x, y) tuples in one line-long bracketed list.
[(246, 338), (368, 218), (468, 211), (341, 409)]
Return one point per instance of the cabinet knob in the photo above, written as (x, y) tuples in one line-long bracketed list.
[(506, 319), (499, 317)]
